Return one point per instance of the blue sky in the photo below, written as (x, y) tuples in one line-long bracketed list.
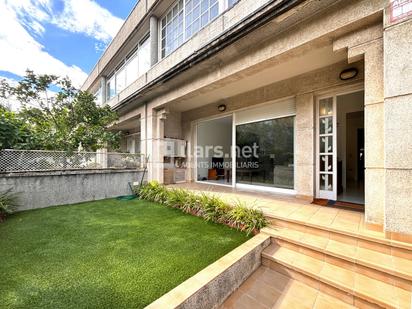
[(62, 37)]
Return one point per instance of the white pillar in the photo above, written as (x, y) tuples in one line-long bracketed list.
[(154, 39)]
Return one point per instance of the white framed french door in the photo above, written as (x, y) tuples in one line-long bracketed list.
[(326, 148)]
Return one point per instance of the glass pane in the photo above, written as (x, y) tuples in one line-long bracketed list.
[(326, 163), (323, 179), (111, 90), (326, 125), (132, 70), (265, 153), (330, 183), (173, 31), (326, 144), (326, 107), (214, 11), (204, 5), (120, 80), (205, 19), (99, 97), (144, 56), (213, 150)]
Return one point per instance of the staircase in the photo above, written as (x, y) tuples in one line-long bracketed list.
[(310, 266)]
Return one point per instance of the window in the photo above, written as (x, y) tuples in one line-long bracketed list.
[(272, 161), (121, 79), (99, 97), (132, 72), (135, 65), (111, 87), (172, 29), (197, 14), (144, 56)]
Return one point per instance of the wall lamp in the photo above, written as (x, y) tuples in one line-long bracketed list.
[(221, 108), (348, 73)]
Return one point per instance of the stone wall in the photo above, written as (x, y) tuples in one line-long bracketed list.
[(210, 287), (43, 189), (398, 127)]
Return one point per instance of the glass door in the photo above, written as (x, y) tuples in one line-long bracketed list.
[(326, 186)]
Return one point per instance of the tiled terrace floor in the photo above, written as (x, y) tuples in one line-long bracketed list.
[(293, 209)]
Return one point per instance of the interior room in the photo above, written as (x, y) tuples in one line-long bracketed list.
[(213, 151), (350, 148)]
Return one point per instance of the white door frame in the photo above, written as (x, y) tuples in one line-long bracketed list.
[(330, 94), (330, 194)]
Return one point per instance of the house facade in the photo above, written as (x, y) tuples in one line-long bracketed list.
[(302, 97)]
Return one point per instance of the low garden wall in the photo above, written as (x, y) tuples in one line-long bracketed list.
[(210, 287), (43, 189)]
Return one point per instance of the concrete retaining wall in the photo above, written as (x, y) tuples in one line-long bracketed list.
[(43, 189), (210, 287)]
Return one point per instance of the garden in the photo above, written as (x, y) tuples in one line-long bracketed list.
[(116, 253)]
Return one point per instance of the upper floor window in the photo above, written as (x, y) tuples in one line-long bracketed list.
[(172, 28), (98, 96), (197, 14), (134, 66)]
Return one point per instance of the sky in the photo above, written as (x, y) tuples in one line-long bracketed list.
[(61, 37)]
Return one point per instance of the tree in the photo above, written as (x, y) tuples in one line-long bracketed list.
[(63, 120), (14, 132)]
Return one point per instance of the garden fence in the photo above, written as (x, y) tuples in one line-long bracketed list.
[(12, 160)]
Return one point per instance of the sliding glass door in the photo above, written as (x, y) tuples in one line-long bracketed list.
[(265, 153)]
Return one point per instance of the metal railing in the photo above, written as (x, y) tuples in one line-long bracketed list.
[(12, 160)]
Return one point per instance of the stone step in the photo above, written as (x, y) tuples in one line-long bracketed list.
[(354, 251), (374, 240), (353, 284), (267, 288)]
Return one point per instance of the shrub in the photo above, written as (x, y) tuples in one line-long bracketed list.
[(211, 208), (8, 203), (246, 218)]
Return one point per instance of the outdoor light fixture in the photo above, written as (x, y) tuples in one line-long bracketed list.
[(221, 107), (348, 73)]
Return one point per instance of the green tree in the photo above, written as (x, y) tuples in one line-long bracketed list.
[(62, 121), (15, 132)]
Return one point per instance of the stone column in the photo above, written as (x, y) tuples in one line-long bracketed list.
[(374, 132), (367, 43), (152, 136), (154, 40), (305, 141), (398, 128)]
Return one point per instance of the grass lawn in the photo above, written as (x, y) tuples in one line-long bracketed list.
[(104, 254)]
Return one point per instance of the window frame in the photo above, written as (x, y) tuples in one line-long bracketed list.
[(222, 5), (123, 66)]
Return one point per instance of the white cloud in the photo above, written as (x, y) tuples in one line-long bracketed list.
[(21, 19), (20, 51), (86, 16)]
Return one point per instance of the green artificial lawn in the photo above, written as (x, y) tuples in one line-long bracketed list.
[(104, 254)]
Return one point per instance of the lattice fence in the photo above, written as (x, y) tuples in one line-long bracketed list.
[(38, 160)]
